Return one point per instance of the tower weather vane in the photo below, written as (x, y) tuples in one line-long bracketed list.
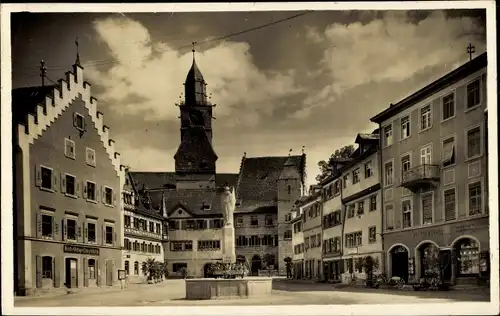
[(77, 52), (193, 50), (471, 49), (43, 71)]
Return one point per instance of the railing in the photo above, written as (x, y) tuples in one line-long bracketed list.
[(422, 172), (138, 232)]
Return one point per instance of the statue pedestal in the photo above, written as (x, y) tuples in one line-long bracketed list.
[(228, 250)]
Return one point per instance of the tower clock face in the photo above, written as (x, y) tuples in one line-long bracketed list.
[(196, 117)]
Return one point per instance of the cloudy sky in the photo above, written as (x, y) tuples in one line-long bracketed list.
[(311, 81)]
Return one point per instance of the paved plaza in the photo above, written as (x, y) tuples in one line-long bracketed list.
[(285, 292)]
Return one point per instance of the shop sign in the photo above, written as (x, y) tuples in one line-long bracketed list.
[(428, 233), (352, 251), (81, 250), (465, 228)]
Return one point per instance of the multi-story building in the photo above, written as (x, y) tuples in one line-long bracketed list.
[(67, 184), (360, 193), (298, 238), (267, 187), (313, 240), (333, 217), (434, 168), (143, 230)]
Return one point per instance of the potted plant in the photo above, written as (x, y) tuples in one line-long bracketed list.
[(183, 272)]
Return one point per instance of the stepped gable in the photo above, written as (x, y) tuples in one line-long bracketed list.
[(36, 108), (258, 181), (167, 180), (193, 200)]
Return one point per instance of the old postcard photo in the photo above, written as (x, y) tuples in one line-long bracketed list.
[(193, 157)]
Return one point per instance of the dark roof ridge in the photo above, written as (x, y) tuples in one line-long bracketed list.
[(431, 88)]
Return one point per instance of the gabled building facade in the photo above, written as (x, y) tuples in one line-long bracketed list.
[(360, 193), (67, 185), (333, 219), (144, 232), (434, 177), (267, 188)]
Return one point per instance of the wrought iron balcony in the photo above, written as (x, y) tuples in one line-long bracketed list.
[(420, 176)]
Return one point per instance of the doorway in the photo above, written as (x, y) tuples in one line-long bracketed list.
[(71, 273), (399, 265), (256, 265), (446, 263), (109, 272)]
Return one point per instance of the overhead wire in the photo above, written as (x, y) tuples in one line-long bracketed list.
[(181, 47)]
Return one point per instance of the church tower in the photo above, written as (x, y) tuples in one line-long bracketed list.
[(289, 190), (195, 158)]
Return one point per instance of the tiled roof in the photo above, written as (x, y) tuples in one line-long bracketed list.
[(448, 79), (257, 183), (25, 100), (167, 180), (368, 136), (193, 199)]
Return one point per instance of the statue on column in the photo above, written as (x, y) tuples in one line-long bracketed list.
[(228, 204)]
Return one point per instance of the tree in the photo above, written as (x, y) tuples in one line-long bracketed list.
[(149, 268), (325, 167)]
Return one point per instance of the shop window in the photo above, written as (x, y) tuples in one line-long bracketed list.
[(91, 267), (47, 267), (177, 266)]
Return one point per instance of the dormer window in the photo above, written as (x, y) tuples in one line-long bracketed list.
[(205, 207)]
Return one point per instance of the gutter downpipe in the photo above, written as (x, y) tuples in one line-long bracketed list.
[(383, 260), (343, 219)]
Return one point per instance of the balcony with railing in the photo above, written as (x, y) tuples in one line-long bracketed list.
[(420, 176)]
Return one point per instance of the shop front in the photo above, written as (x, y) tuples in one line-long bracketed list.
[(298, 269), (74, 266), (457, 252), (333, 267)]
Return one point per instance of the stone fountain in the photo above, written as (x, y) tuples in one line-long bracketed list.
[(211, 288)]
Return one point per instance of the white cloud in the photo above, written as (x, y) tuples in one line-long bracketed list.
[(145, 158), (148, 76), (390, 49)]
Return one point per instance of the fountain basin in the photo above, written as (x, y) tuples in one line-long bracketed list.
[(206, 289)]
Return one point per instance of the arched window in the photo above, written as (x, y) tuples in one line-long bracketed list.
[(136, 268), (127, 268), (467, 251), (136, 246), (127, 244)]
